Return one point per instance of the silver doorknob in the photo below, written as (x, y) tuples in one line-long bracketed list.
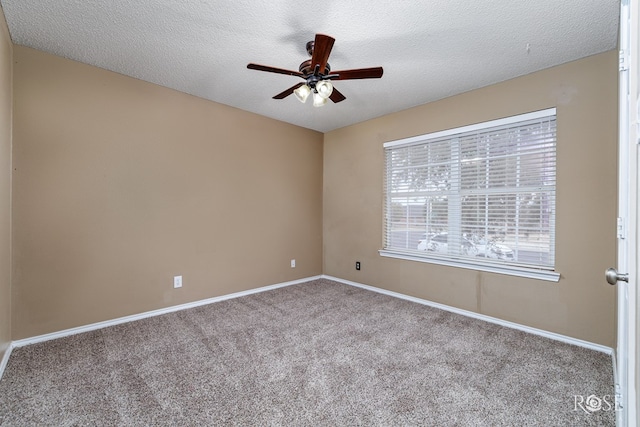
[(614, 277)]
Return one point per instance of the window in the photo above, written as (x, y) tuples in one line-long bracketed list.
[(480, 196)]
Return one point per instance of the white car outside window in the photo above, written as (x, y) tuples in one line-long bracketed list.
[(440, 244)]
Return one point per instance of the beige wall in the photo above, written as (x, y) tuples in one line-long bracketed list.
[(5, 185), (581, 305), (120, 184)]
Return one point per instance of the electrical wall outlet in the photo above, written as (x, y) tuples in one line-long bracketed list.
[(177, 281), (293, 263)]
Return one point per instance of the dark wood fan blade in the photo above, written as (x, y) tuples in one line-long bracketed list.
[(336, 96), (321, 50), (274, 70), (360, 73), (287, 92)]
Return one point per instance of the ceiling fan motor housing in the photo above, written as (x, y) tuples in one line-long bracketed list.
[(306, 68)]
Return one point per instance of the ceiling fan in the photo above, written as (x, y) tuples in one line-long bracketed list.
[(317, 74)]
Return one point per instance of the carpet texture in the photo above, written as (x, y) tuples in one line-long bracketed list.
[(314, 354)]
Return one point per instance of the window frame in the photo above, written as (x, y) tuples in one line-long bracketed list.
[(546, 273)]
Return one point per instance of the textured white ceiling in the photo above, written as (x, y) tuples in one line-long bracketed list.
[(430, 49)]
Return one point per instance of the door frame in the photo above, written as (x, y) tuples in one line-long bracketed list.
[(628, 301)]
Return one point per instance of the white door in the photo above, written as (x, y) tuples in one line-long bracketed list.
[(626, 277)]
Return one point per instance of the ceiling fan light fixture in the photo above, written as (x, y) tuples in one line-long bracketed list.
[(318, 101), (324, 88), (302, 93), (316, 73)]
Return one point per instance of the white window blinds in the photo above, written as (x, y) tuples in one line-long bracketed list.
[(484, 192)]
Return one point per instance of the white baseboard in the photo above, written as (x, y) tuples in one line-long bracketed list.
[(120, 320), (535, 331), (616, 379), (134, 317), (5, 359)]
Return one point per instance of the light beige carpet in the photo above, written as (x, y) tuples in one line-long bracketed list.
[(314, 354)]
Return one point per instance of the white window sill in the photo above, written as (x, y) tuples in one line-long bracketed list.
[(530, 273)]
